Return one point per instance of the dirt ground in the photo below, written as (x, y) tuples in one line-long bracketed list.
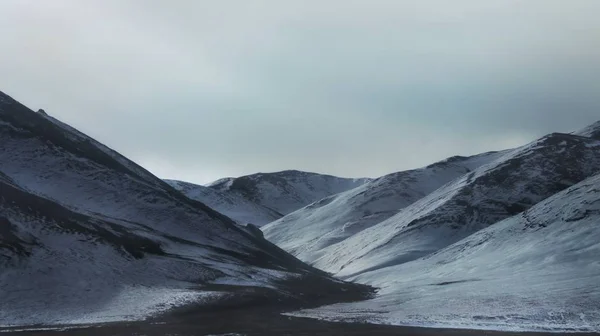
[(255, 322), (257, 312)]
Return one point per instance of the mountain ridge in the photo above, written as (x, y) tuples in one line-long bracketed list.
[(505, 187), (590, 131), (287, 190), (336, 218)]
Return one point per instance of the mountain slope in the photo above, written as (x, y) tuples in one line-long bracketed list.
[(495, 191), (286, 191), (591, 131), (306, 232), (538, 270), (87, 235), (233, 205)]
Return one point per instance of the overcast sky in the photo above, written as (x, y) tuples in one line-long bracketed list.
[(198, 90)]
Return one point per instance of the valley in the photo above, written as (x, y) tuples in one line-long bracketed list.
[(504, 242)]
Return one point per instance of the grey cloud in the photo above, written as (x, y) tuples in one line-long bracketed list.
[(198, 90)]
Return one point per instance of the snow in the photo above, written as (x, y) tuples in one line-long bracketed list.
[(77, 136), (263, 198), (88, 236), (591, 131), (88, 187), (89, 283), (13, 330), (128, 304), (288, 190), (308, 231), (73, 278), (513, 182), (536, 271), (230, 204)]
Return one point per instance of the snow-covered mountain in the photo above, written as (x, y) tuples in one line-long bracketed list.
[(591, 131), (286, 191), (538, 270), (306, 232), (501, 240), (87, 235), (265, 197), (500, 189), (233, 205)]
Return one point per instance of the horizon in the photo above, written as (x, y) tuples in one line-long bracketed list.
[(356, 177), (318, 172)]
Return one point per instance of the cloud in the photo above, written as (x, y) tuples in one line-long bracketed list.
[(199, 90)]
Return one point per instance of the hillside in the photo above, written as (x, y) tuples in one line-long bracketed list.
[(306, 232), (86, 236), (591, 131), (286, 191), (500, 189), (537, 270), (233, 205)]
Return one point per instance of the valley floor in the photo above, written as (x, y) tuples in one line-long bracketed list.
[(257, 312), (252, 321)]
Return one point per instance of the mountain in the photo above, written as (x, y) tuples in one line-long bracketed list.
[(500, 189), (306, 232), (233, 205), (86, 235), (591, 131), (286, 191), (263, 198), (536, 271)]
